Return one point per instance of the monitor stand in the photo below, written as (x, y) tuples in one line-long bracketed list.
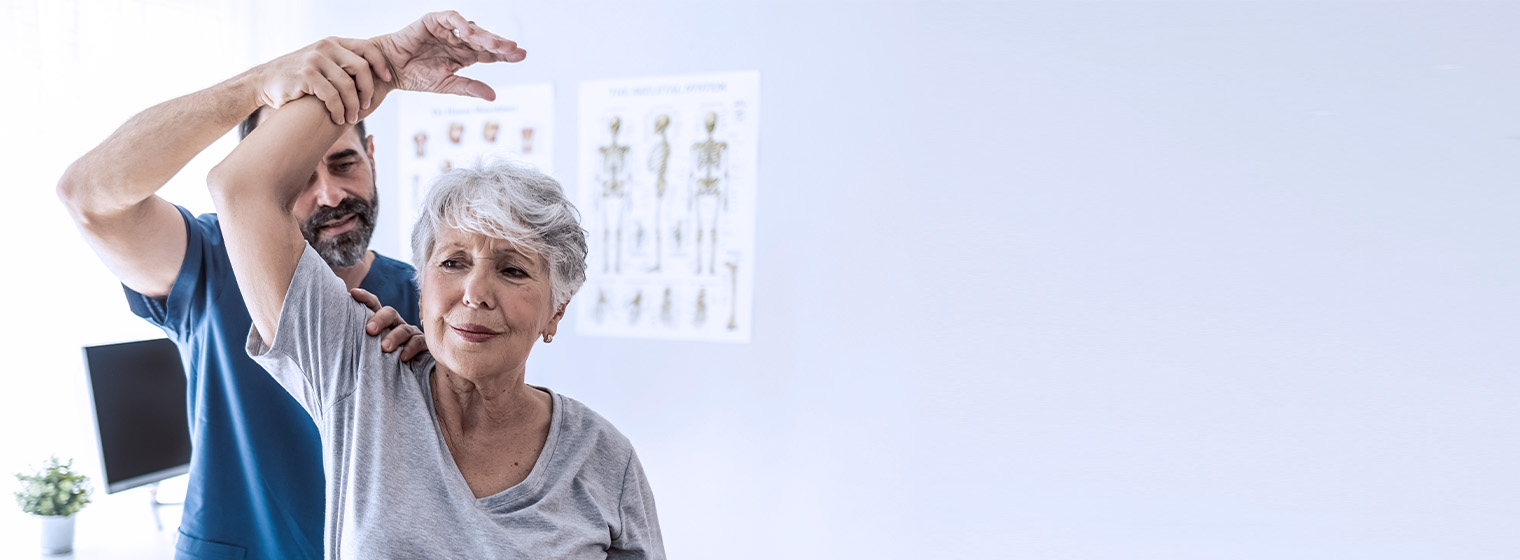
[(156, 504)]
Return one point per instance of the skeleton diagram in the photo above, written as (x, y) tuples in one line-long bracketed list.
[(667, 309), (601, 305), (614, 198), (733, 295), (659, 163), (635, 305), (710, 192)]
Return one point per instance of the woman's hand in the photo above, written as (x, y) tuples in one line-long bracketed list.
[(424, 55), (406, 337)]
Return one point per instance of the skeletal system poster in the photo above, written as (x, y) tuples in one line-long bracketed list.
[(440, 132), (667, 185)]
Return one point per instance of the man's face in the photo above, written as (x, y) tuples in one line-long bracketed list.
[(337, 211), (338, 208)]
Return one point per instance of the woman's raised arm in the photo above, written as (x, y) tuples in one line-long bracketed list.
[(254, 190)]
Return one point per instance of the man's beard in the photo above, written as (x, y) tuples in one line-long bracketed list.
[(345, 249)]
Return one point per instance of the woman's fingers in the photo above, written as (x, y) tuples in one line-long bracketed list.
[(478, 38), (460, 85)]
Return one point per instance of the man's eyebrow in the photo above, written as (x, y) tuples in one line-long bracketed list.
[(343, 154)]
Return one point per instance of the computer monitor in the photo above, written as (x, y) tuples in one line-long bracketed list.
[(138, 392)]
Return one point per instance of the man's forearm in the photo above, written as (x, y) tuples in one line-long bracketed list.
[(141, 156)]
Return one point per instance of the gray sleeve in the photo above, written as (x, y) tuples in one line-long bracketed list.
[(640, 525), (320, 335)]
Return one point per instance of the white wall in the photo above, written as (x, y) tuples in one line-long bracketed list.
[(1075, 280)]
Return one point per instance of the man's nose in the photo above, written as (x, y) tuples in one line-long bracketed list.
[(327, 191)]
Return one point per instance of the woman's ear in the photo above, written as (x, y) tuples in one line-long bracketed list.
[(553, 326)]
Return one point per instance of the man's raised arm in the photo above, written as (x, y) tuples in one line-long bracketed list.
[(110, 190)]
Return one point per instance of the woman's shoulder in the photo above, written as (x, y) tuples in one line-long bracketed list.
[(577, 415), (584, 428), (418, 370)]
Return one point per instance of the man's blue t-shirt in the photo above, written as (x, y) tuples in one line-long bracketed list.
[(256, 488)]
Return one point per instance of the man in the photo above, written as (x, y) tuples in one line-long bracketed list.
[(256, 485)]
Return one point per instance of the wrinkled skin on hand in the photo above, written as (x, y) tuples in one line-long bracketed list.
[(425, 55)]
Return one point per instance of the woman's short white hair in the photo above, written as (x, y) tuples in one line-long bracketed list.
[(514, 202)]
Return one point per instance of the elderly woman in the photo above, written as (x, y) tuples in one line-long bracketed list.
[(452, 456)]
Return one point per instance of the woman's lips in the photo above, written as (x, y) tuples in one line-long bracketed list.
[(474, 333)]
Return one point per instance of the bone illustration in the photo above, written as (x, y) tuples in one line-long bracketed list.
[(420, 139), (709, 183), (614, 198), (659, 163)]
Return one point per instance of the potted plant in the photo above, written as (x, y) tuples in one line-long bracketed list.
[(54, 494)]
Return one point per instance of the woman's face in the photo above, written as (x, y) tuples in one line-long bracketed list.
[(484, 303)]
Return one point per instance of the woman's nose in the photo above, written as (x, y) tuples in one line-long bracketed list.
[(477, 289)]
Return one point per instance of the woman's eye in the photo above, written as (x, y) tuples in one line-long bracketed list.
[(450, 264), (514, 272)]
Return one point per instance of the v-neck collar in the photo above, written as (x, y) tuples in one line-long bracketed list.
[(529, 486)]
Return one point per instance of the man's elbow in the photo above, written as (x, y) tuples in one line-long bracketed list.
[(83, 203)]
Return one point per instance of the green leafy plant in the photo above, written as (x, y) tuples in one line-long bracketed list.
[(54, 490)]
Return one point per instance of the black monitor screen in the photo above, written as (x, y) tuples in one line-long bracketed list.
[(138, 389)]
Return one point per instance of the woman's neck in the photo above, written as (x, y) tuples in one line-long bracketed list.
[(465, 404)]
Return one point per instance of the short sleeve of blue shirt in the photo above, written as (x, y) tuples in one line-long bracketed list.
[(256, 487)]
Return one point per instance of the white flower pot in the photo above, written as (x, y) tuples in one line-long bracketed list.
[(57, 534)]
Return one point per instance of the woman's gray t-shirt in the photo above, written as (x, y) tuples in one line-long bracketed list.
[(393, 490)]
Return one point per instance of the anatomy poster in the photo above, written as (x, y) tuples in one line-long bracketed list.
[(667, 184), (440, 132)]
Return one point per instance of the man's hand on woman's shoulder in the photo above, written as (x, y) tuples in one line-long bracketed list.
[(401, 335)]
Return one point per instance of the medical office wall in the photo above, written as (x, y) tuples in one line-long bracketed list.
[(1072, 279)]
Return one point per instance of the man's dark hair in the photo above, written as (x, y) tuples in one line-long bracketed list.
[(252, 122)]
